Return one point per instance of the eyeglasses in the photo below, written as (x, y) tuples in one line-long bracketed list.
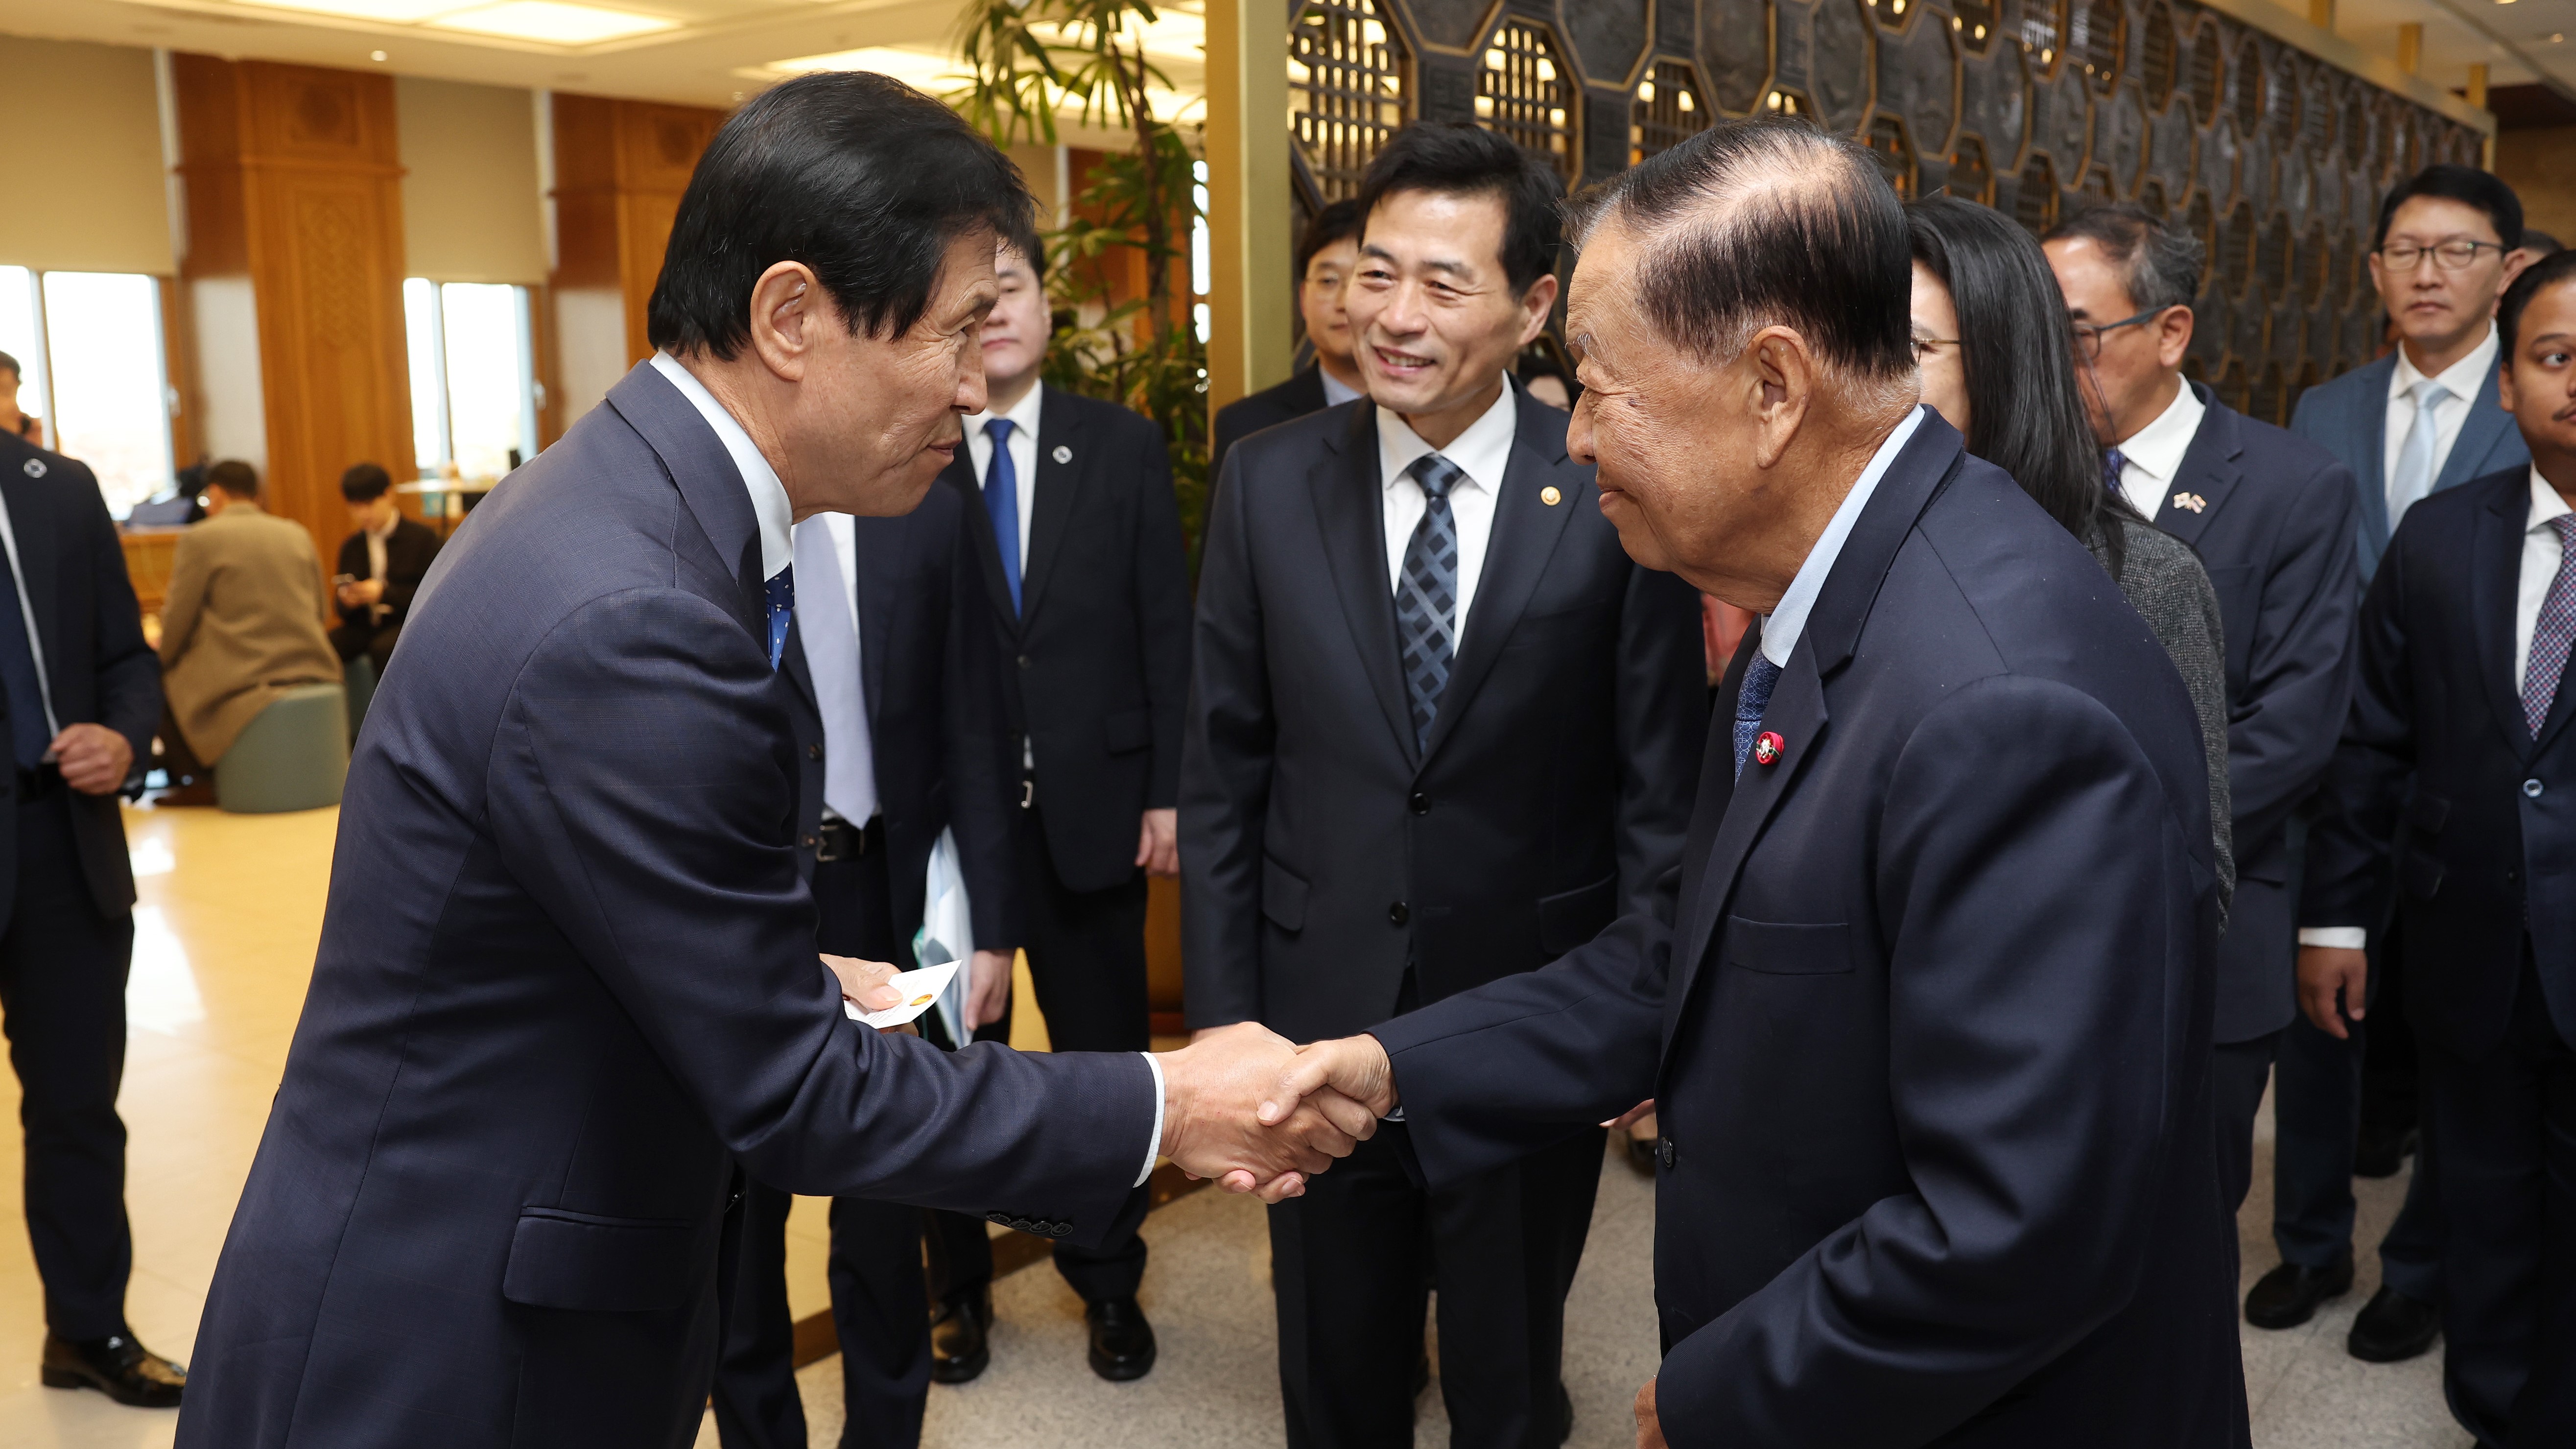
[(1926, 346), (2450, 256), (2088, 335)]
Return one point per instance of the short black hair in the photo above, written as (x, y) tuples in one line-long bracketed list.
[(1338, 221), (2540, 243), (2159, 264), (2549, 271), (235, 477), (2017, 350), (1770, 221), (2464, 184), (9, 365), (365, 482), (1455, 158), (1019, 232), (864, 179)]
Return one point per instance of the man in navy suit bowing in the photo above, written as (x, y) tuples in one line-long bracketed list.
[(1928, 1023), (567, 977)]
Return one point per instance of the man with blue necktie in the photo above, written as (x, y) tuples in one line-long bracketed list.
[(2417, 422), (1070, 501)]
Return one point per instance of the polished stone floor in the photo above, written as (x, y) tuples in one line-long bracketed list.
[(224, 941)]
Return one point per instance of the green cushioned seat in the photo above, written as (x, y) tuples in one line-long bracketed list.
[(362, 691), (292, 756)]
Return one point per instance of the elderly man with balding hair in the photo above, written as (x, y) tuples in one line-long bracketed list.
[(1926, 1007)]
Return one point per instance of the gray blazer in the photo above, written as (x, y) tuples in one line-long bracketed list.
[(2165, 583), (2348, 417)]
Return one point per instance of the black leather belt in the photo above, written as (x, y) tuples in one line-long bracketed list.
[(840, 840)]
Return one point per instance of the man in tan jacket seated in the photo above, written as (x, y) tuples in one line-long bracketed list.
[(245, 620)]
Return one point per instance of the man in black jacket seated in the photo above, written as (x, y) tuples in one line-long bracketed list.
[(2458, 750), (1928, 1022), (1326, 255), (381, 566)]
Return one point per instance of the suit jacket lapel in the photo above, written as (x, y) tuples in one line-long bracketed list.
[(1351, 512), (2208, 470), (1525, 535), (31, 522), (2373, 424), (2495, 575), (960, 475), (708, 481), (1058, 486), (2486, 421)]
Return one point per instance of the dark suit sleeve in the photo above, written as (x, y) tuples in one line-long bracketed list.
[(404, 571), (982, 788), (1662, 719), (127, 671), (2298, 676), (2348, 851), (635, 791), (1226, 763), (352, 561), (1162, 613)]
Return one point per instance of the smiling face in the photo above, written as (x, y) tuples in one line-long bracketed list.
[(2538, 382), (1436, 320), (875, 418), (2440, 314)]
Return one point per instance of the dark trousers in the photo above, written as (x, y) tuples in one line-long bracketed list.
[(2239, 1071), (352, 640), (2316, 1119), (1087, 962), (1348, 1261), (62, 1006), (2507, 1125), (880, 1306)]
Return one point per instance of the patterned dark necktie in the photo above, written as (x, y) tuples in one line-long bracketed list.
[(2112, 463), (1426, 594), (2551, 633), (1752, 698), (781, 592)]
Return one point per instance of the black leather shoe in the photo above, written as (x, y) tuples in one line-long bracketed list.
[(1122, 1342), (2393, 1328), (2377, 1157), (116, 1366), (1564, 1413), (960, 1347), (2288, 1295)]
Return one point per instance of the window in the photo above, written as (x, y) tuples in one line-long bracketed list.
[(473, 378), (88, 346), (1347, 90)]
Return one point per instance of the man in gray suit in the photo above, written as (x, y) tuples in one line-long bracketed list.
[(2420, 420)]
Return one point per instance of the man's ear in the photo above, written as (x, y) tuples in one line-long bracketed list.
[(2173, 336), (1784, 380), (2504, 385), (1536, 303), (787, 306)]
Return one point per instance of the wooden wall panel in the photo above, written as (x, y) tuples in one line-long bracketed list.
[(293, 180), (620, 167)]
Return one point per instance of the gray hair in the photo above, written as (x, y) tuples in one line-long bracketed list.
[(2160, 265)]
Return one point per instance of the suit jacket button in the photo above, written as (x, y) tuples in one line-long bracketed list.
[(1003, 1219), (1397, 915), (813, 752), (1061, 1230), (1420, 802), (2532, 788), (1024, 661), (808, 842), (1664, 1150)]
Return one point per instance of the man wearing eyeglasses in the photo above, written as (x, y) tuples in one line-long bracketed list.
[(2271, 517)]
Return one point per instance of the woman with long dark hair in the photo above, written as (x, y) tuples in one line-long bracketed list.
[(1997, 353)]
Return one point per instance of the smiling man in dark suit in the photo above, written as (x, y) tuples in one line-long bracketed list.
[(1928, 1025), (1079, 535), (2272, 517), (1441, 730)]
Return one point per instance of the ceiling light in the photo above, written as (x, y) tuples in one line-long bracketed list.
[(375, 55), (551, 20), (933, 73), (395, 10)]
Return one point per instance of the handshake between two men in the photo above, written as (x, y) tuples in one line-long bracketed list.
[(1241, 1104)]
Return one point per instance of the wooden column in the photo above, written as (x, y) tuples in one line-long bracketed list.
[(620, 167), (1252, 335), (293, 183), (2410, 46)]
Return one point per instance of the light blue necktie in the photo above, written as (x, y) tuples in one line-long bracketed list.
[(781, 593), (1752, 701), (832, 656), (1002, 501), (2414, 476)]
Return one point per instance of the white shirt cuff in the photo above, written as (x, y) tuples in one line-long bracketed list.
[(1153, 1144), (2340, 938)]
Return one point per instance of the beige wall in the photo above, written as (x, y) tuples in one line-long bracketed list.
[(472, 209), (2541, 168), (85, 189)]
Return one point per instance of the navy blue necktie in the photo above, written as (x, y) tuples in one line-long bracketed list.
[(20, 689), (2112, 462), (1002, 501), (1752, 698), (781, 592), (1426, 594)]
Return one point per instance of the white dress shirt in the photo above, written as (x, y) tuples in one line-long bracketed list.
[(776, 517), (1482, 452), (1336, 391), (2540, 555), (2151, 456), (1788, 618), (845, 557), (770, 510), (376, 538), (2463, 379), (1023, 416)]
